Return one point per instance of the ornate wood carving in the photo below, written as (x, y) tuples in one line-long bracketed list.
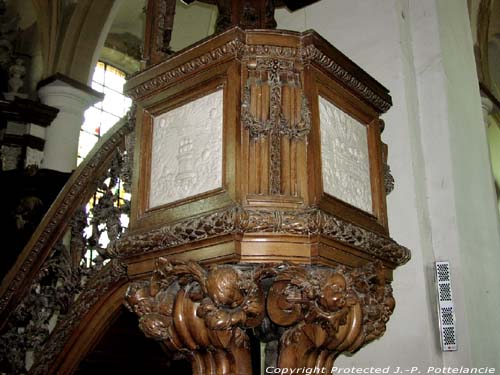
[(388, 178), (200, 313), (276, 113), (235, 48), (213, 57), (56, 220), (159, 26), (316, 312), (237, 220), (98, 286), (64, 277), (311, 54), (327, 311)]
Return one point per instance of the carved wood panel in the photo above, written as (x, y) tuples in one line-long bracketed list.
[(276, 114)]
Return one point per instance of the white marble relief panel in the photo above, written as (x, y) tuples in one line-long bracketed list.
[(344, 155), (187, 150)]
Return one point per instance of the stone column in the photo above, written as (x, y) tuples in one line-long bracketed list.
[(72, 98)]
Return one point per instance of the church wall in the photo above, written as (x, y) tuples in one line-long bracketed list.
[(443, 204), (477, 216)]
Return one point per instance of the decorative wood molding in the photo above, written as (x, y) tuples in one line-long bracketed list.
[(305, 52), (212, 57), (316, 312), (238, 220), (311, 54)]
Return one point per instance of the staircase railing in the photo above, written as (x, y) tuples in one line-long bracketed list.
[(67, 253)]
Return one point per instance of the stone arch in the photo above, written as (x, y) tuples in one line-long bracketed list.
[(72, 38)]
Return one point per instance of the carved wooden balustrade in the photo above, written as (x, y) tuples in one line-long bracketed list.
[(65, 268)]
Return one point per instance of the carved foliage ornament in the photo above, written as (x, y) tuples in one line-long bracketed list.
[(65, 285), (235, 219), (201, 313), (277, 74), (237, 49), (318, 312), (72, 198), (104, 282)]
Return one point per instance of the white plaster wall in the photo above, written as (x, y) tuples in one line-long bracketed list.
[(477, 217), (443, 204), (433, 114)]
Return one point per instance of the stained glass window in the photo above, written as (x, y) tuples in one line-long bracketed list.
[(102, 116)]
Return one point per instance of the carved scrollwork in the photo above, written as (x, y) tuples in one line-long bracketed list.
[(326, 311), (200, 313), (316, 313), (237, 220)]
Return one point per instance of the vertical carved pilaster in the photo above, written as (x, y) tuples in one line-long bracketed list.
[(313, 313), (277, 116), (159, 26), (247, 14)]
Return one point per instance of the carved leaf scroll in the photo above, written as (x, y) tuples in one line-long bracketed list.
[(326, 311), (315, 312), (201, 313)]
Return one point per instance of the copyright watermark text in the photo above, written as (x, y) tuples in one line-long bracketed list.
[(414, 370)]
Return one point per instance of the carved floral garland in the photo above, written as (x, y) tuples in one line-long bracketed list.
[(316, 312), (237, 220)]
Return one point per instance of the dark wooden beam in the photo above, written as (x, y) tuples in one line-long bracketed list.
[(27, 111), (251, 14)]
